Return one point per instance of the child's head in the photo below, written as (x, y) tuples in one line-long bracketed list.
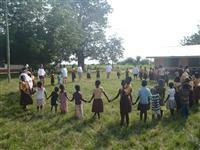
[(97, 83), (171, 85), (128, 80), (23, 78), (77, 88), (153, 91), (39, 84), (56, 89), (144, 83), (123, 82), (62, 88)]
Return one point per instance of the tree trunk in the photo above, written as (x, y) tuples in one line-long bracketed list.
[(81, 60)]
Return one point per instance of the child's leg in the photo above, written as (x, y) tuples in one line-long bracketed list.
[(94, 115), (41, 107), (51, 107), (127, 119), (122, 119), (98, 115), (145, 116), (55, 108), (38, 107), (161, 113), (141, 114), (172, 111), (153, 116)]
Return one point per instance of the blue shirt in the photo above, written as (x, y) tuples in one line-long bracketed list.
[(144, 94)]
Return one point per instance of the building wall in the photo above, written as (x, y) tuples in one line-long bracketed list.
[(183, 61)]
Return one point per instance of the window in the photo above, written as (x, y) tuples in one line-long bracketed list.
[(194, 62), (171, 62)]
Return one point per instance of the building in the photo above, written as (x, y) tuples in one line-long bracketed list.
[(178, 56)]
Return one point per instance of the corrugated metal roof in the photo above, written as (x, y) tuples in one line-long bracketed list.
[(180, 51)]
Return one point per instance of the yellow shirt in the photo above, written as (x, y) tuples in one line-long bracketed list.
[(98, 93)]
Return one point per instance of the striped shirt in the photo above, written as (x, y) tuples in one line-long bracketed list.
[(155, 102)]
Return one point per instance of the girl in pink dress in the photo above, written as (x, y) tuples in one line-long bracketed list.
[(63, 99)]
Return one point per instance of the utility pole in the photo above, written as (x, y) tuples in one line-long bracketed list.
[(8, 42)]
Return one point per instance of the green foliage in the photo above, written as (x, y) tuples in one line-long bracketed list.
[(137, 61), (193, 39), (49, 130)]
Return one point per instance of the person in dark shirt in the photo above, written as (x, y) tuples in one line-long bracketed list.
[(77, 96), (54, 98)]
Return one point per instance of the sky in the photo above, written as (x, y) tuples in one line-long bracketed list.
[(147, 26)]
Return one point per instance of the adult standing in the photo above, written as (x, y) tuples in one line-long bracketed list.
[(161, 72), (135, 72), (27, 78), (108, 71), (41, 73), (80, 71), (141, 73), (64, 73)]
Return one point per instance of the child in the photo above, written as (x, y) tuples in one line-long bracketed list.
[(127, 73), (97, 106), (77, 96), (63, 99), (59, 78), (52, 78), (171, 103), (98, 73), (167, 77), (141, 71), (144, 96), (155, 104), (125, 103), (25, 93), (161, 91), (40, 93), (54, 98), (177, 85), (145, 74), (73, 74), (184, 98), (118, 73), (88, 73), (196, 87)]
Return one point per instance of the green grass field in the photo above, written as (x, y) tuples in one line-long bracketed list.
[(49, 130)]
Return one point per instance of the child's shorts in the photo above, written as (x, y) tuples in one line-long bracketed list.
[(40, 102)]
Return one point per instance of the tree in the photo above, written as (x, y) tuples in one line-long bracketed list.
[(92, 16), (193, 39), (138, 59), (112, 51)]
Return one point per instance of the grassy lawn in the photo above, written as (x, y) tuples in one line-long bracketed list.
[(49, 130)]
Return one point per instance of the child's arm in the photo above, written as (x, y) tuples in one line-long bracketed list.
[(72, 98), (136, 100), (67, 96), (166, 99), (106, 96), (45, 93), (116, 96), (83, 99), (49, 96), (91, 98)]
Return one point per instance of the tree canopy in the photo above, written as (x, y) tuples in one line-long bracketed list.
[(53, 30)]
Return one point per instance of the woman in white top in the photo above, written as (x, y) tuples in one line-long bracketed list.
[(41, 73), (171, 103), (80, 71), (64, 73)]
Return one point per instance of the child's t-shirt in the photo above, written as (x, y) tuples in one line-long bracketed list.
[(98, 92), (144, 94), (155, 102), (40, 93), (171, 93), (54, 97), (77, 97)]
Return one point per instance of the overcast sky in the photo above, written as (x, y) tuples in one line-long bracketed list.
[(147, 25)]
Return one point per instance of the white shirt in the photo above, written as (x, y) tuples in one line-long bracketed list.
[(40, 93), (161, 71), (41, 72), (135, 70), (171, 93), (64, 72), (80, 69), (28, 79), (108, 68)]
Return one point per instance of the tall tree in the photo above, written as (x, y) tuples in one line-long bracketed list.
[(92, 16)]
